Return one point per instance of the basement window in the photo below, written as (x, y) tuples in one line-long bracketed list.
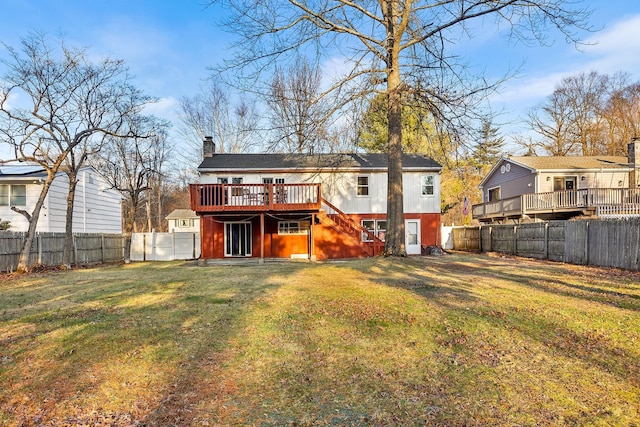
[(293, 227)]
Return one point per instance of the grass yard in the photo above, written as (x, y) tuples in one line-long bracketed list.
[(457, 340)]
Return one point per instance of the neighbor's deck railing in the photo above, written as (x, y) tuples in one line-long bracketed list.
[(254, 197), (557, 201)]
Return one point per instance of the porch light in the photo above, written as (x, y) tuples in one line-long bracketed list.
[(582, 178), (548, 178), (620, 183)]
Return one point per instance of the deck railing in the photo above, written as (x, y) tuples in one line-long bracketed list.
[(557, 201), (254, 197)]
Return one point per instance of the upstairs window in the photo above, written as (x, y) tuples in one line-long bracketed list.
[(236, 191), (13, 195), (183, 223), (427, 185), (363, 186), (494, 194)]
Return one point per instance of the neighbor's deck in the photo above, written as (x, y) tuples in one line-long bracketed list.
[(559, 203)]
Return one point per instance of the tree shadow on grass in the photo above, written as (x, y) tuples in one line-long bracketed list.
[(121, 346), (591, 346)]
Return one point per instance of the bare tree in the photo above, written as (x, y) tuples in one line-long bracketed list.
[(390, 46), (588, 114), (68, 101), (298, 110), (131, 165), (231, 123)]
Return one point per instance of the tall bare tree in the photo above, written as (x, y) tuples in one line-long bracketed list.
[(389, 46), (298, 111), (588, 114), (132, 165), (232, 123), (62, 100)]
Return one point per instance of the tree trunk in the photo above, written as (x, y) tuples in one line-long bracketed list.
[(129, 226), (68, 226), (394, 242), (24, 264)]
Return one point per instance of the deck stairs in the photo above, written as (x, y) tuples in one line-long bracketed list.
[(345, 225)]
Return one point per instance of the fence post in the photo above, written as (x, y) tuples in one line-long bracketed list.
[(586, 243), (546, 240), (75, 249), (39, 248), (102, 247), (515, 240), (490, 238), (480, 238)]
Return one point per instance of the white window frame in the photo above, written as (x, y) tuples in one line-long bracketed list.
[(425, 185), (10, 198), (287, 228), (489, 190), (360, 187), (184, 222), (377, 230)]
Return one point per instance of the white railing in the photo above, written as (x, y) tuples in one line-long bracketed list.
[(566, 200), (618, 211)]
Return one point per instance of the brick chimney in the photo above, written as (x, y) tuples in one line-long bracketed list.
[(633, 152), (208, 147)]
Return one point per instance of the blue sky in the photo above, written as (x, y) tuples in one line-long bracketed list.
[(168, 45)]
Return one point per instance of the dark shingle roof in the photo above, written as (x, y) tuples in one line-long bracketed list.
[(298, 162), (22, 170), (569, 162)]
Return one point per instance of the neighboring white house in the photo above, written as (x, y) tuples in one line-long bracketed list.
[(97, 207), (183, 220)]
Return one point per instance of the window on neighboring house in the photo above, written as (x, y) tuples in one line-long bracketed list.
[(4, 195), (376, 227), (494, 194), (427, 185), (363, 186), (13, 195), (183, 223), (293, 227), (223, 180)]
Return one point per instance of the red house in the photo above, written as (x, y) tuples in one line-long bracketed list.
[(320, 206)]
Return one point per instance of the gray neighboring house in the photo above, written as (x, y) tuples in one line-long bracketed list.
[(530, 188)]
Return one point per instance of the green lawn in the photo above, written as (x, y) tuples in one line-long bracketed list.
[(457, 340)]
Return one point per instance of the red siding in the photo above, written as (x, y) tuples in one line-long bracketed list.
[(328, 242)]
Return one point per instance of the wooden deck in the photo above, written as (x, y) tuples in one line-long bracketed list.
[(255, 197), (557, 204)]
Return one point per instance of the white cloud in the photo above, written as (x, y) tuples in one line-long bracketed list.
[(616, 49), (165, 108)]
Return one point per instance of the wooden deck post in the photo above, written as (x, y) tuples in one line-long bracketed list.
[(262, 237), (312, 255)]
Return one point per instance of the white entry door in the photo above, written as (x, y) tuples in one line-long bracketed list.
[(412, 236)]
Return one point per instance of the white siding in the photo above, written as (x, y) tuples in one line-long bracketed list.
[(96, 208), (18, 221), (604, 179), (340, 189)]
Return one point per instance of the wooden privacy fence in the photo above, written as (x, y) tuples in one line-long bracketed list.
[(46, 249), (602, 242)]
